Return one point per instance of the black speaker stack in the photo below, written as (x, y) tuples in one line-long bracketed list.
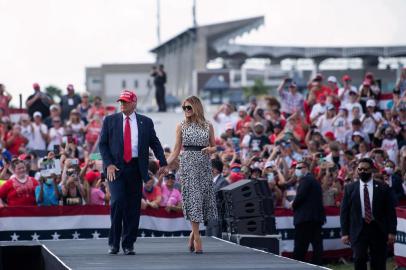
[(246, 209)]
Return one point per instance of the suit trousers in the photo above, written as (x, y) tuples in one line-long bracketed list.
[(126, 194), (370, 238), (160, 98), (308, 233)]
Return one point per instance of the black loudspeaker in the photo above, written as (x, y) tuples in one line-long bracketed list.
[(269, 243), (246, 190), (254, 226), (250, 208)]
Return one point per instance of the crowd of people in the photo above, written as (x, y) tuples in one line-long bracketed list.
[(48, 155), (330, 125)]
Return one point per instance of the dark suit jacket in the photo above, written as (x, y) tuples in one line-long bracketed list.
[(397, 188), (308, 203), (220, 183), (383, 210), (111, 143)]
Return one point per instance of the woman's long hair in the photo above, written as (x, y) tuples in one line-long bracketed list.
[(198, 112)]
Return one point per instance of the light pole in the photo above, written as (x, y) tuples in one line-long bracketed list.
[(158, 19)]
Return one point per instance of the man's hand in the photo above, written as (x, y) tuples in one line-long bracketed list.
[(345, 239), (207, 150), (391, 239), (111, 172), (163, 170)]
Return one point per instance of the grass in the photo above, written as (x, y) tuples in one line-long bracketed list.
[(389, 265)]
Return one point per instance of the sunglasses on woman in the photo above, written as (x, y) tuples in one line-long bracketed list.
[(187, 108)]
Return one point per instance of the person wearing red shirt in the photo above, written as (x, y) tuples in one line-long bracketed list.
[(317, 87), (14, 141), (19, 190), (151, 194), (244, 118)]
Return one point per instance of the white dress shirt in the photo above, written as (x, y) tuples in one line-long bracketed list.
[(361, 193), (134, 133), (215, 178)]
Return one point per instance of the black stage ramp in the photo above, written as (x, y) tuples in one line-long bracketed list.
[(167, 253)]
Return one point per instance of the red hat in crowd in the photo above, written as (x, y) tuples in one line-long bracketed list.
[(127, 96), (236, 176), (294, 163), (318, 77), (70, 87), (369, 75), (346, 77), (330, 135), (23, 156), (35, 86), (92, 176)]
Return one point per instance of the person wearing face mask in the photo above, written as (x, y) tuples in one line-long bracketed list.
[(394, 181), (48, 192), (368, 218), (308, 215)]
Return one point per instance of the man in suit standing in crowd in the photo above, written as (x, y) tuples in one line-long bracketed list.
[(368, 218), (213, 227), (308, 215), (124, 146), (159, 75)]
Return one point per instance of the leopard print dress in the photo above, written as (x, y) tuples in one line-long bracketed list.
[(199, 202)]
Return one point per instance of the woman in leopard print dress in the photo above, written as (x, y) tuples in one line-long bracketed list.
[(196, 136)]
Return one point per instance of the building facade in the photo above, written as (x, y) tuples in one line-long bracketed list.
[(107, 81)]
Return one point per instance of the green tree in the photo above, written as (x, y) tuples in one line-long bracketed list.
[(258, 89), (54, 92)]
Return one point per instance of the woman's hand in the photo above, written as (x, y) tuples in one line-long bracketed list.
[(208, 150)]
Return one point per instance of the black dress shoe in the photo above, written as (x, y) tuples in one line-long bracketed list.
[(129, 251), (113, 250)]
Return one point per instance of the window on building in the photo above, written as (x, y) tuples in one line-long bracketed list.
[(123, 84), (135, 83)]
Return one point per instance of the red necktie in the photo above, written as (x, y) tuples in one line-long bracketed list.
[(367, 205), (127, 140)]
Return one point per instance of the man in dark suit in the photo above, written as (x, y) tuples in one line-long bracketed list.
[(213, 226), (124, 146), (308, 215), (368, 218)]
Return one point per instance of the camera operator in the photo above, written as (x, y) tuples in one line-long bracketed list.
[(159, 76), (48, 192)]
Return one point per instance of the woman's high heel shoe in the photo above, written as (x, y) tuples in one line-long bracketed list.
[(198, 246), (191, 243)]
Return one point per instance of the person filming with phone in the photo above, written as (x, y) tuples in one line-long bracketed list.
[(292, 100)]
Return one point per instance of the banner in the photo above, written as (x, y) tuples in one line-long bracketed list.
[(80, 222), (400, 243)]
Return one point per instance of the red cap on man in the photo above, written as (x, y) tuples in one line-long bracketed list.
[(127, 96), (35, 86), (70, 87), (346, 77)]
